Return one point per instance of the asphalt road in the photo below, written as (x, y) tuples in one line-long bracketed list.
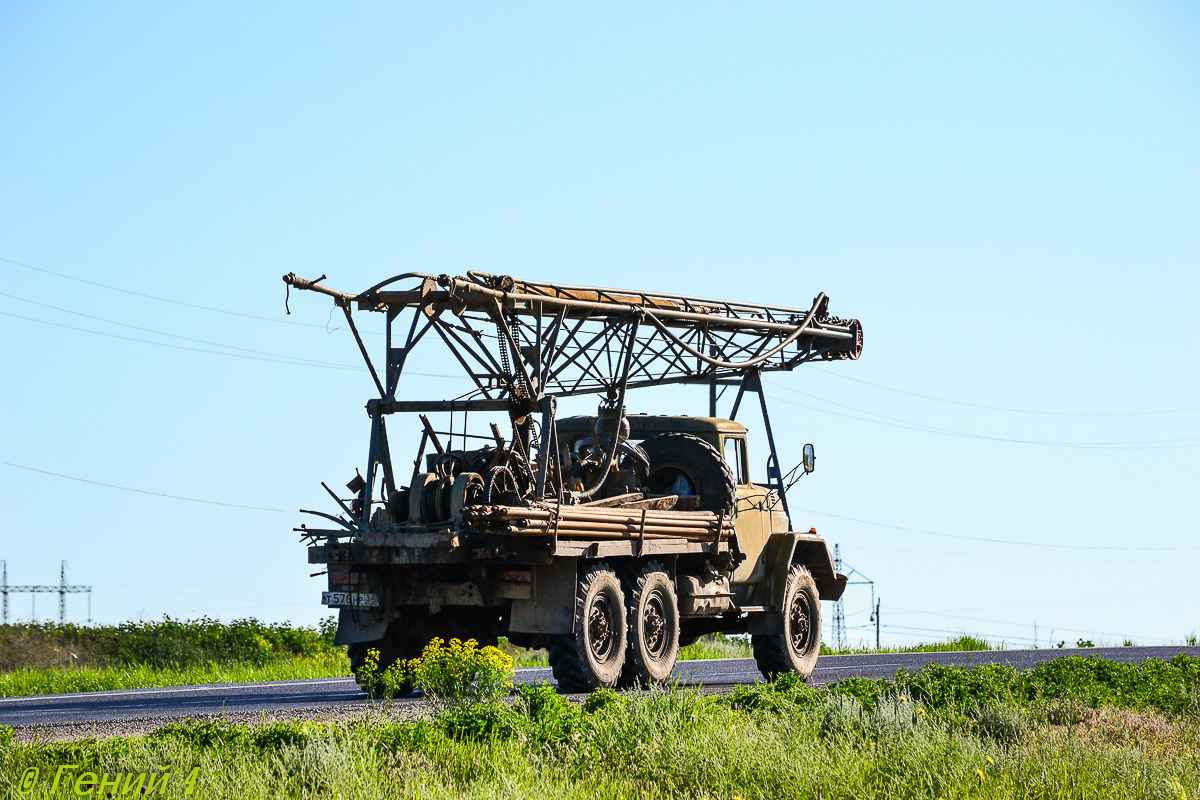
[(342, 694)]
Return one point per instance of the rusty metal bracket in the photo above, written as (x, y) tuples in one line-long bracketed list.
[(642, 534)]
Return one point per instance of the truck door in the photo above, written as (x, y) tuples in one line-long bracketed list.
[(753, 517)]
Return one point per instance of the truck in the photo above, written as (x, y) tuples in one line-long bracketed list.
[(610, 539)]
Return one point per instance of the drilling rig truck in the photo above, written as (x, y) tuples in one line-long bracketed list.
[(610, 539)]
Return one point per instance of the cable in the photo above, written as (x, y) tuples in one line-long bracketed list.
[(1153, 444), (164, 299), (307, 361), (290, 360), (143, 491), (1012, 410), (142, 582), (1053, 545), (164, 344), (1003, 622), (980, 634), (1075, 559)]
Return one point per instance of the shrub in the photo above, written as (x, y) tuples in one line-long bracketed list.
[(461, 672), (478, 721), (165, 643), (223, 734), (894, 716), (843, 715), (389, 682), (549, 717), (786, 692), (1003, 724), (1065, 712), (600, 699)]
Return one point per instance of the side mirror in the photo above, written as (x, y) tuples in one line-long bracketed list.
[(810, 459)]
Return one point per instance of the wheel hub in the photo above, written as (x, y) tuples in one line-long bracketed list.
[(801, 627), (654, 626), (601, 630)]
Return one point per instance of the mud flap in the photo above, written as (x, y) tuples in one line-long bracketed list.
[(551, 607), (365, 629)]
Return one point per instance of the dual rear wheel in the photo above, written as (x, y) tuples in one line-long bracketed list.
[(626, 631)]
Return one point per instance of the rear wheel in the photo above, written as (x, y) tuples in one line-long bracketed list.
[(594, 655), (796, 649), (652, 610)]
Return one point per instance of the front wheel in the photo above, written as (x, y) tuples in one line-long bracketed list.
[(594, 655), (796, 649)]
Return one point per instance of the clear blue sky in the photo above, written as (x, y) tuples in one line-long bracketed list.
[(1007, 197)]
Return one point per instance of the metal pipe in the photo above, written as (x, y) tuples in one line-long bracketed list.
[(291, 279), (463, 287), (623, 522)]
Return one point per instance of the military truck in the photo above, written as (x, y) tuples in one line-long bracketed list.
[(610, 539)]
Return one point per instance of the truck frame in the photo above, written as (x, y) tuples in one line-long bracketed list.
[(611, 540)]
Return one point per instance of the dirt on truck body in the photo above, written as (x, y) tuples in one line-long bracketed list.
[(613, 539)]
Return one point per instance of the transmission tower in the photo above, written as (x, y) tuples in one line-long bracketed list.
[(839, 610), (62, 589)]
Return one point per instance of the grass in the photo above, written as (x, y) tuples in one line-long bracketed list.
[(954, 644), (51, 659), (44, 658), (163, 643), (718, 645), (21, 683), (1074, 728)]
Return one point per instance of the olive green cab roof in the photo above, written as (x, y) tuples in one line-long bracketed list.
[(644, 425)]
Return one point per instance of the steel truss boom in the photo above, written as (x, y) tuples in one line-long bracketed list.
[(521, 340)]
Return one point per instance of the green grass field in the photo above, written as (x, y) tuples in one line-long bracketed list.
[(1072, 728), (44, 658), (52, 659)]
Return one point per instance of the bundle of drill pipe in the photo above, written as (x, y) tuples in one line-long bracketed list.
[(599, 523)]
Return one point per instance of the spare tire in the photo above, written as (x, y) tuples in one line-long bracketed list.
[(700, 465)]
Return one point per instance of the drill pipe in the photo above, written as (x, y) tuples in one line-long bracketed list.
[(568, 533), (625, 526), (690, 519)]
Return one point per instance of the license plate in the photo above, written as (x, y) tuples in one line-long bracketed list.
[(352, 599)]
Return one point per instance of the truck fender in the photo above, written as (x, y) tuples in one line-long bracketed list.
[(785, 549), (363, 629)]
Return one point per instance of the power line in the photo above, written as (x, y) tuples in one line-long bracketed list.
[(1012, 410), (1005, 622), (276, 320), (947, 631), (1053, 545), (298, 359), (143, 491), (892, 422), (1074, 559), (168, 345), (1086, 601), (163, 299), (283, 359)]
